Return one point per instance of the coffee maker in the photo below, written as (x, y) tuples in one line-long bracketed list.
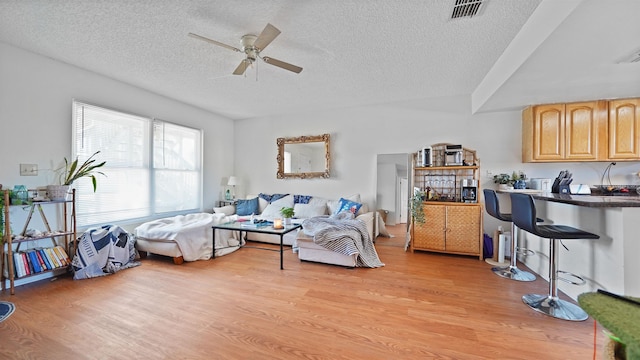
[(469, 190), (453, 155), (426, 157)]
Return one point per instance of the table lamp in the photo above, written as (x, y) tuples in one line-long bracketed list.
[(233, 181)]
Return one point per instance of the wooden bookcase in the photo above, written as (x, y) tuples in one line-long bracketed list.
[(62, 238)]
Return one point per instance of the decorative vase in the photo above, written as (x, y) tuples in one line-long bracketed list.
[(57, 192), (520, 184), (287, 221)]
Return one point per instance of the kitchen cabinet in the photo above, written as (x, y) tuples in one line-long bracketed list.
[(624, 129), (454, 228), (601, 130), (563, 132)]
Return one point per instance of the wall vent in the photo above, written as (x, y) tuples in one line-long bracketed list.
[(465, 8)]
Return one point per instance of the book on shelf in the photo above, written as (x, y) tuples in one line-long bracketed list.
[(63, 255), (18, 264), (44, 258), (54, 259), (47, 258), (34, 261), (28, 268), (41, 262)]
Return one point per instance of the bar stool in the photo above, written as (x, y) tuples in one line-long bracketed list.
[(510, 272), (523, 213)]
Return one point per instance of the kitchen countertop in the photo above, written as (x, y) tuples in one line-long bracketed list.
[(590, 200)]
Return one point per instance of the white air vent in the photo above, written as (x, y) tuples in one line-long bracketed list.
[(465, 8)]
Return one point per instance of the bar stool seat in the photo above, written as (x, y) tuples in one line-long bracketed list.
[(523, 212), (512, 272)]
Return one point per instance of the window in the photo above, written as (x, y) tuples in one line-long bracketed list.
[(153, 167)]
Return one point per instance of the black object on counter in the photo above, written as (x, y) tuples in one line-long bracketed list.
[(561, 183)]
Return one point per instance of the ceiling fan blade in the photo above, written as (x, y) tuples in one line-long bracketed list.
[(244, 64), (282, 64), (214, 42), (266, 37)]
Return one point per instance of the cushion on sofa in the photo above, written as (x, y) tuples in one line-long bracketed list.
[(305, 211), (273, 209), (227, 210), (247, 207), (345, 205), (301, 199), (333, 205)]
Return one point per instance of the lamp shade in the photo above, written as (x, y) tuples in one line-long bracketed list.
[(233, 181)]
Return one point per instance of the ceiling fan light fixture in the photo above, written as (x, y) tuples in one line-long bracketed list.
[(252, 45)]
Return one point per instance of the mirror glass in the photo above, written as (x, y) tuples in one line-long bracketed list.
[(303, 157)]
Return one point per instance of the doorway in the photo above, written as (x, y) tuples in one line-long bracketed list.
[(392, 187)]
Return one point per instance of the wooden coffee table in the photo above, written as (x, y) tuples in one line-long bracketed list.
[(256, 228)]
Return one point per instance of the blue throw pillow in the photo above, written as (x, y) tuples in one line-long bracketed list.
[(348, 205), (247, 207), (301, 199), (276, 197)]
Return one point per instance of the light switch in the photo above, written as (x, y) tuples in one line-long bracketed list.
[(28, 169)]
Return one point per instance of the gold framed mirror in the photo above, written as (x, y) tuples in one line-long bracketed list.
[(304, 157)]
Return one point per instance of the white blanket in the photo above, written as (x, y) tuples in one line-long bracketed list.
[(193, 234)]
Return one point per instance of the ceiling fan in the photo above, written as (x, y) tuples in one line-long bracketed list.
[(252, 46)]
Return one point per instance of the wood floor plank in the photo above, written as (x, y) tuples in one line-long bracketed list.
[(242, 306)]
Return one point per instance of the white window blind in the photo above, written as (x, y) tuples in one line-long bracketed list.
[(142, 181)]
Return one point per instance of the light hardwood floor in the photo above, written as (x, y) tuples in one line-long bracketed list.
[(242, 306)]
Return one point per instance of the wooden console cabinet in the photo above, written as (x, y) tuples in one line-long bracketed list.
[(451, 226), (454, 228)]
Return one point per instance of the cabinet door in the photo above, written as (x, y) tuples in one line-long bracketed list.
[(548, 132), (463, 229), (581, 130), (624, 129), (430, 234)]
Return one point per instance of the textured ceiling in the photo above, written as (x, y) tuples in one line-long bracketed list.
[(354, 52)]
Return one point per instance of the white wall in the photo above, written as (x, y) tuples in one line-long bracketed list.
[(35, 112), (35, 117), (359, 134)]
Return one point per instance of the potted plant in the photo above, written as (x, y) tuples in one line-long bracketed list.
[(515, 180), (519, 180), (72, 172), (417, 212), (287, 213)]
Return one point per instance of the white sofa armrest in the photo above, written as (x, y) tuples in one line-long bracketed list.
[(369, 220)]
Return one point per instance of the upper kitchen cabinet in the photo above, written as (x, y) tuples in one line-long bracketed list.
[(624, 129), (563, 132)]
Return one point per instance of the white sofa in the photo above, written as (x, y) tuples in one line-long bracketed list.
[(316, 206)]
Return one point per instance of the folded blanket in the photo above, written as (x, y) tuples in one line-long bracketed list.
[(345, 235)]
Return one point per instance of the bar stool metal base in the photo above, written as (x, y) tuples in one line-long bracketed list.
[(553, 306), (513, 273)]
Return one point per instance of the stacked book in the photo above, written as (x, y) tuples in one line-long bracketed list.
[(39, 260)]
